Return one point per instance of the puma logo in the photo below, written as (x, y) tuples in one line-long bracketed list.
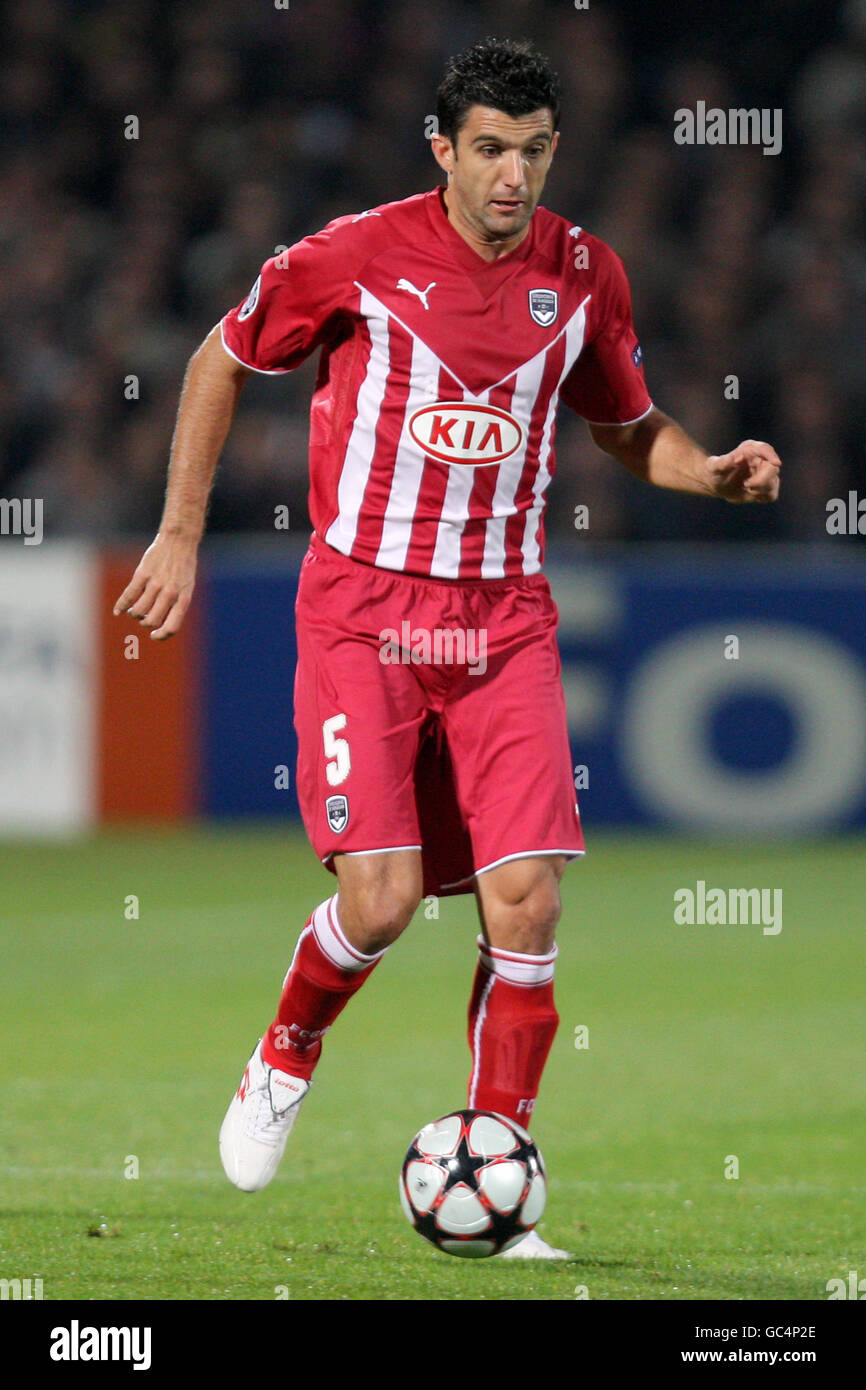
[(412, 289)]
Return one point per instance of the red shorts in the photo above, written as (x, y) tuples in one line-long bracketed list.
[(430, 715)]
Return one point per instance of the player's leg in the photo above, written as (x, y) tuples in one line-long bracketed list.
[(358, 723), (507, 733), (340, 946), (512, 1015), (343, 941)]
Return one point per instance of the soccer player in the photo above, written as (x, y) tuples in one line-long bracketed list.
[(433, 749)]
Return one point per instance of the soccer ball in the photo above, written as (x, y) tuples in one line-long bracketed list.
[(473, 1183)]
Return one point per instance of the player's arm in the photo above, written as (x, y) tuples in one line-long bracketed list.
[(659, 451), (288, 313), (160, 590)]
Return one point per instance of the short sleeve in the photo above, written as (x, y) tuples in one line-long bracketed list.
[(291, 307), (606, 385)]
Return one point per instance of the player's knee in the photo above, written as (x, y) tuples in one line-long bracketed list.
[(536, 917), (522, 914), (377, 917), (377, 903)]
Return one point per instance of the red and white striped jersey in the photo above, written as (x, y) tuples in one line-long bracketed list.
[(433, 418)]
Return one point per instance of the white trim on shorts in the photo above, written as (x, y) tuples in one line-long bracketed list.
[(521, 854), (353, 853)]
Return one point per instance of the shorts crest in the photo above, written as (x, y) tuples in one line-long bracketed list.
[(337, 811)]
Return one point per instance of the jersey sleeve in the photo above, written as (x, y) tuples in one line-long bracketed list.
[(293, 304), (606, 385)]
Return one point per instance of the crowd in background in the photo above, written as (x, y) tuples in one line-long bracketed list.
[(256, 125)]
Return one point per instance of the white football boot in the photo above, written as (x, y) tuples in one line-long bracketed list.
[(258, 1123), (532, 1247)]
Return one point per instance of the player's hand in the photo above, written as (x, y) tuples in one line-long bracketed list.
[(749, 473), (160, 590)]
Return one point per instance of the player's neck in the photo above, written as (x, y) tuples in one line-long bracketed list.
[(489, 250)]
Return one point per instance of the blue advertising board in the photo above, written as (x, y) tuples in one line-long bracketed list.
[(717, 690), (249, 748)]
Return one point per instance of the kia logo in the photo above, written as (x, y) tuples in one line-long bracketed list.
[(460, 432)]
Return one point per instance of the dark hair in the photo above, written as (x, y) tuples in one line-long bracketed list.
[(508, 75)]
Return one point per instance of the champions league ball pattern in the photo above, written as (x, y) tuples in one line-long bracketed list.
[(473, 1183)]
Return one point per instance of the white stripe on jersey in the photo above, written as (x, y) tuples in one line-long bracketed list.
[(527, 387), (455, 511), (408, 462), (360, 449), (574, 334)]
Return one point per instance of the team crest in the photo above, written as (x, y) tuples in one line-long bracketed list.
[(543, 306), (337, 811)]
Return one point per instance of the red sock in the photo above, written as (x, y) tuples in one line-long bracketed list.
[(512, 1023), (325, 972)]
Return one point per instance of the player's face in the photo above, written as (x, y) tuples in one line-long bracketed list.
[(497, 170)]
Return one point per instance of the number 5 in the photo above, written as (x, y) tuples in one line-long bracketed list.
[(336, 749)]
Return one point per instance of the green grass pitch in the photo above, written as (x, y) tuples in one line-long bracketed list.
[(124, 1038)]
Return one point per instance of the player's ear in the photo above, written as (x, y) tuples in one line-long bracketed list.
[(554, 142), (443, 151)]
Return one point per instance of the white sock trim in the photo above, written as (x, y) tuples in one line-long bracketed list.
[(518, 969), (476, 1042), (333, 942)]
